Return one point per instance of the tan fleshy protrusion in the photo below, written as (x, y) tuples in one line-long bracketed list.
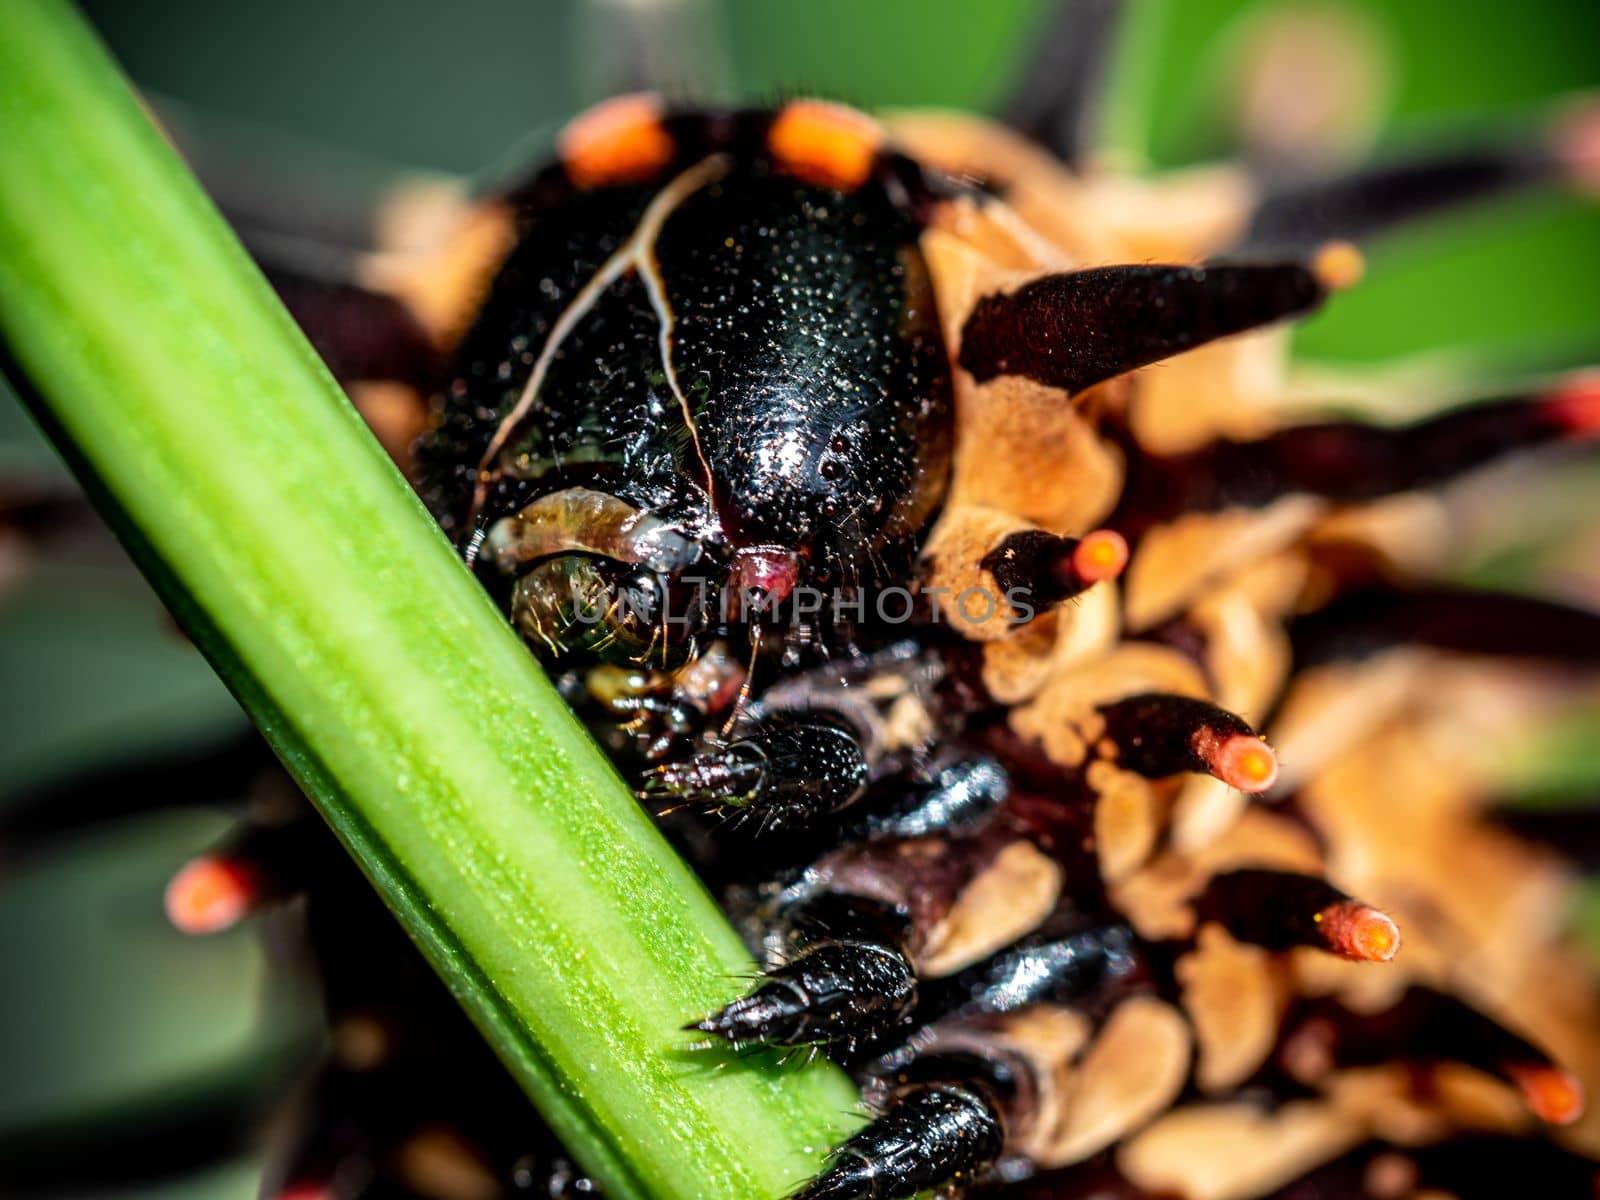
[(1234, 995), (443, 285), (1026, 449), (1074, 633), (1225, 389), (1048, 1037), (1236, 1151), (1412, 533), (1089, 627), (1127, 819), (1132, 1071), (1331, 708), (1205, 808), (1007, 899), (1453, 1097), (1180, 216), (965, 596), (1247, 651), (397, 414), (1177, 561), (1016, 666)]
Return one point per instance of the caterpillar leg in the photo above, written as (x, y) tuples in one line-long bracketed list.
[(936, 881), (787, 771), (849, 981), (931, 1134), (958, 796)]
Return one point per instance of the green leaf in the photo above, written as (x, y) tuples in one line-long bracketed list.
[(303, 567)]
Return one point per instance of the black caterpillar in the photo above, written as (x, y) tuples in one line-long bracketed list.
[(813, 457)]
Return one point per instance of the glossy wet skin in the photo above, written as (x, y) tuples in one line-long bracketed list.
[(824, 413), (807, 440)]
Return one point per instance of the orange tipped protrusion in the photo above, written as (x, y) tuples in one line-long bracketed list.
[(1339, 265), (1553, 1095), (830, 145), (1391, 1176), (1102, 554), (1245, 762), (1577, 143), (1575, 405), (212, 893), (1359, 932), (620, 141)]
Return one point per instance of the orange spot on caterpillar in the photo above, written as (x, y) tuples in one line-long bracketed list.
[(826, 144), (1553, 1095), (211, 893), (620, 141), (1575, 405), (306, 1191), (1338, 266), (1244, 762), (1100, 555), (1358, 932)]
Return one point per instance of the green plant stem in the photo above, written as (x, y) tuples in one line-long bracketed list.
[(304, 568)]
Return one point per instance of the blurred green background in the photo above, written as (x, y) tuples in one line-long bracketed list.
[(103, 1010)]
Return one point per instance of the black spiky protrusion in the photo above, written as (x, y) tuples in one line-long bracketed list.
[(1428, 1026), (260, 863), (359, 333), (1350, 462), (1366, 622), (932, 1134), (1059, 100), (1156, 734), (1077, 329), (1040, 569), (1280, 909), (1371, 200)]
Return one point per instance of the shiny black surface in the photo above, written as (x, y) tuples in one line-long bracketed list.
[(805, 343)]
